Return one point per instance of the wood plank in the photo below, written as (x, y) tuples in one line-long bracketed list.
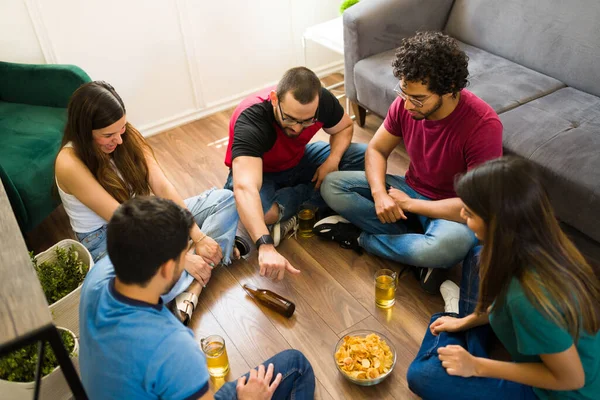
[(413, 307), (307, 332), (24, 306), (325, 295), (251, 332)]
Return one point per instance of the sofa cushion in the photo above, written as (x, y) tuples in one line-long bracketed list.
[(29, 140), (561, 132), (501, 83), (556, 37)]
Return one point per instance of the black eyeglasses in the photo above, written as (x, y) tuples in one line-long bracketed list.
[(287, 121), (405, 97)]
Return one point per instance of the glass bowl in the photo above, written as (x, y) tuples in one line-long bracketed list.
[(371, 381)]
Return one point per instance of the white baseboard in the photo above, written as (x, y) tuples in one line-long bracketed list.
[(224, 104)]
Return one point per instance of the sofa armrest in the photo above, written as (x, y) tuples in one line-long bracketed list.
[(375, 26), (48, 85)]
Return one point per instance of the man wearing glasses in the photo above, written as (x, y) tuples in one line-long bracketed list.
[(273, 167), (447, 130)]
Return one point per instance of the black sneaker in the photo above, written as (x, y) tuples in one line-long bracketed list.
[(339, 230), (431, 278)]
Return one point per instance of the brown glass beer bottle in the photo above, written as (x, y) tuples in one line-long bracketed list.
[(271, 300)]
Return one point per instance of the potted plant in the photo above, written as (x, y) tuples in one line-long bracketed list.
[(17, 371), (61, 270)]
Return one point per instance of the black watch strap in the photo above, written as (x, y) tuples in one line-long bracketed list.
[(264, 239)]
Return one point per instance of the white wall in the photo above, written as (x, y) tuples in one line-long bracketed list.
[(18, 41), (172, 61)]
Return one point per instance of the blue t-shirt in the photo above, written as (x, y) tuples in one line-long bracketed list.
[(134, 350)]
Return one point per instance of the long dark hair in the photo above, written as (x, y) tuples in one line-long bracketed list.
[(96, 105), (523, 240)]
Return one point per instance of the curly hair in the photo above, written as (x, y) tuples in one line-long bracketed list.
[(433, 59)]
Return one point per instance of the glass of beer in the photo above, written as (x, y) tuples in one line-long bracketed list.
[(216, 355), (385, 288), (306, 218)]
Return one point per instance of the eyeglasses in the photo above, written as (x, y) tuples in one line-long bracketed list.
[(287, 121), (405, 97)]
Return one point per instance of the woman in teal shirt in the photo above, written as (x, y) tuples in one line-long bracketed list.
[(536, 291)]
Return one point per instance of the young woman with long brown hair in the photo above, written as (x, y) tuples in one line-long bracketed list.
[(104, 161), (536, 291)]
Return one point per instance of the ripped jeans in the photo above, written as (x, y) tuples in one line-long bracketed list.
[(215, 213), (293, 187)]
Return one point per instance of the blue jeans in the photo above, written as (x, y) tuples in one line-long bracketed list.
[(427, 377), (298, 381), (215, 213), (293, 187), (443, 244)]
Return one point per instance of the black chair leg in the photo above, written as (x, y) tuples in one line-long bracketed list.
[(65, 363), (38, 370)]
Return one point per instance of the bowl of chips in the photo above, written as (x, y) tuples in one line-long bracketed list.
[(365, 357)]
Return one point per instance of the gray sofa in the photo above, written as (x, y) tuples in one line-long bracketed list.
[(536, 62)]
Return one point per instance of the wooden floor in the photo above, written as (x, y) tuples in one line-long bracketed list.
[(334, 294)]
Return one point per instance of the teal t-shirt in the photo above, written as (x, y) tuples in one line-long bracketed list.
[(526, 333)]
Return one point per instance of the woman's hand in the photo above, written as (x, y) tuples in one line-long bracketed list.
[(209, 250), (457, 361), (198, 268), (446, 324)]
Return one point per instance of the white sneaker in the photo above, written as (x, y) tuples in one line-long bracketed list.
[(281, 229), (451, 294)]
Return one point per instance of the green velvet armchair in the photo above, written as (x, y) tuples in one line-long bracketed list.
[(33, 114)]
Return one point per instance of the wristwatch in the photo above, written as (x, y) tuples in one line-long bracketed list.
[(264, 239)]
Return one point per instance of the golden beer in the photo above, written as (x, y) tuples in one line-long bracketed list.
[(385, 290), (306, 218), (216, 355)]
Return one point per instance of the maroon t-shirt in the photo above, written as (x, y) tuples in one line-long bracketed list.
[(439, 150), (254, 132)]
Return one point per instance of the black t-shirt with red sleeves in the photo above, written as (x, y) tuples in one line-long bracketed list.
[(254, 132)]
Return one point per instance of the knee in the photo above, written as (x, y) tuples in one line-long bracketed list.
[(446, 251), (223, 196), (424, 378), (298, 359), (330, 185), (338, 182)]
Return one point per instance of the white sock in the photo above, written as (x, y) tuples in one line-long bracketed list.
[(451, 294)]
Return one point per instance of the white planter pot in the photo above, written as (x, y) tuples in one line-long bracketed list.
[(65, 312), (53, 386)]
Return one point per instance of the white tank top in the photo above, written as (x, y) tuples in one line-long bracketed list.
[(82, 218)]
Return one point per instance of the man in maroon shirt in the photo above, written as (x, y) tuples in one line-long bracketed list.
[(274, 168), (447, 130)]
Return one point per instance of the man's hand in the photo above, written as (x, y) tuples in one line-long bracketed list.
[(328, 166), (401, 198), (387, 210), (198, 268), (259, 386), (446, 324), (458, 361), (209, 250), (272, 264)]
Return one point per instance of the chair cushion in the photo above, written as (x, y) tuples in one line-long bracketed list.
[(561, 132), (29, 140), (499, 82)]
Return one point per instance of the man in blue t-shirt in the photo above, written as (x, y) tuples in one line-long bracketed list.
[(132, 347)]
